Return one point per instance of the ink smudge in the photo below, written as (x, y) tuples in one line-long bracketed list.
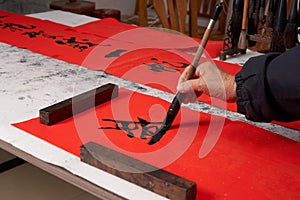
[(116, 53)]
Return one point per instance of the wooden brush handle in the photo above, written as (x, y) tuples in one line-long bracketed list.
[(205, 39), (176, 103), (245, 13)]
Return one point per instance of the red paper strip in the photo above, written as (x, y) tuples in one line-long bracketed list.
[(246, 162), (45, 37), (122, 48), (105, 27), (117, 48), (27, 32), (109, 27)]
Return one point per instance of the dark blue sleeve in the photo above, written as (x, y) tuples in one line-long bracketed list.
[(268, 87)]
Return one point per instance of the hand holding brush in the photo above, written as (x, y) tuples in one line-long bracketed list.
[(176, 103)]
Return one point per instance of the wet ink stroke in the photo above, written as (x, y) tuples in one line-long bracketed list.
[(160, 66), (116, 53), (147, 129)]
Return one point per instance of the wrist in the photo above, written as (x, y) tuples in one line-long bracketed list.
[(230, 87)]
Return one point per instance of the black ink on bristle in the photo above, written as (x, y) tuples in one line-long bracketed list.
[(155, 138), (143, 122), (171, 115)]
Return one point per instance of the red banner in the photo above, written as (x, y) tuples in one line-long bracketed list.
[(227, 159)]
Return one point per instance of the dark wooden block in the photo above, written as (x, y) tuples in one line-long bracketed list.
[(137, 172), (74, 6), (72, 106)]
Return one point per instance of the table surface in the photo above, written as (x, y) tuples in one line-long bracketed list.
[(24, 92)]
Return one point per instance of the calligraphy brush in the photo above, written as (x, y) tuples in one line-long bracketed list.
[(261, 19), (277, 44), (236, 21), (261, 15), (256, 15), (176, 103), (261, 30), (252, 13), (290, 32), (242, 45), (270, 14)]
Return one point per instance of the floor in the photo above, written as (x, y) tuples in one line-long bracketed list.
[(27, 182)]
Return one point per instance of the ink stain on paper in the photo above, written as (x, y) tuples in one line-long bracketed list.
[(116, 53), (161, 66)]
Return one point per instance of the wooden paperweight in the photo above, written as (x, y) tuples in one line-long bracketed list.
[(146, 176), (72, 106), (74, 6)]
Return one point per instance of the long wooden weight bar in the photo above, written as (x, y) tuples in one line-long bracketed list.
[(147, 176), (72, 106)]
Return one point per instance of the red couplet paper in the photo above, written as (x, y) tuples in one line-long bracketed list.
[(109, 27), (227, 159), (137, 54), (74, 44), (46, 37)]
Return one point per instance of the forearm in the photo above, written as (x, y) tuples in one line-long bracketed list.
[(267, 87)]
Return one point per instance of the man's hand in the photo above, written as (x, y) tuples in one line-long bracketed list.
[(210, 80)]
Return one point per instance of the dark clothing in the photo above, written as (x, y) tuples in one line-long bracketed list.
[(268, 87)]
